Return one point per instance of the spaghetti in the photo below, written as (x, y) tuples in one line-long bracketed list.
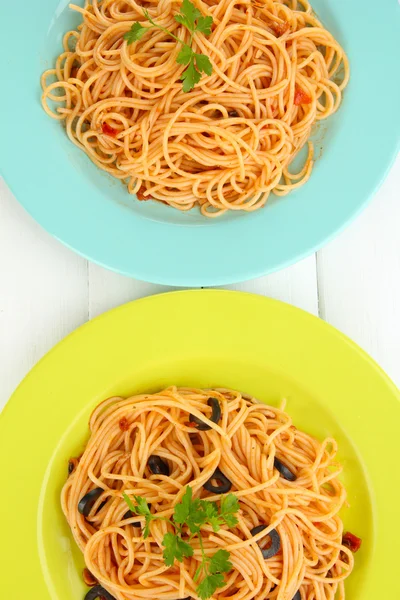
[(286, 483), (228, 143)]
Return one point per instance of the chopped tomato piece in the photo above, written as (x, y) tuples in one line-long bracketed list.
[(351, 541), (89, 579), (124, 424), (300, 96), (108, 130), (279, 28), (140, 195)]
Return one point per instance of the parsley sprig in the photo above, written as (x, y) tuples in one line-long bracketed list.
[(214, 568), (191, 18), (189, 516), (143, 510)]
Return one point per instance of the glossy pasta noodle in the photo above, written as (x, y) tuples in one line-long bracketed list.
[(286, 483), (228, 143)]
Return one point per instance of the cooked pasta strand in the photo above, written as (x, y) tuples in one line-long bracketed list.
[(312, 560), (228, 143)]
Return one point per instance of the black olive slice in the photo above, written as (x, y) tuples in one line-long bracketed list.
[(157, 465), (224, 483), (297, 596), (257, 529), (98, 592), (275, 541), (215, 415), (72, 464), (284, 471), (87, 502), (128, 515), (102, 505)]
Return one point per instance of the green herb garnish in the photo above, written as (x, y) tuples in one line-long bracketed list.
[(191, 18), (175, 548), (192, 514), (213, 568), (135, 33), (142, 510)]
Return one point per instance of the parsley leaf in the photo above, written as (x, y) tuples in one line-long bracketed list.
[(141, 509), (204, 25), (203, 64), (135, 33), (129, 502), (211, 510), (195, 513), (190, 511), (215, 566), (209, 585), (229, 506), (182, 510), (188, 15), (220, 562), (175, 549), (190, 77), (197, 64), (184, 55)]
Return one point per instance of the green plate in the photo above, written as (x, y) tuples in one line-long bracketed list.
[(200, 338)]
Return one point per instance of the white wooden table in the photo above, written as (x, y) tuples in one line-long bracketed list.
[(46, 290)]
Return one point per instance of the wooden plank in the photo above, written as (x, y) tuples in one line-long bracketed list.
[(296, 285), (359, 278), (108, 290), (43, 292)]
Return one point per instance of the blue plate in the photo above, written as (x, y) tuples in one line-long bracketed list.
[(94, 214)]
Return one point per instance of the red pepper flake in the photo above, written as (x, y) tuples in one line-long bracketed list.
[(300, 96), (279, 28), (140, 194), (351, 541), (124, 424), (89, 579), (108, 130)]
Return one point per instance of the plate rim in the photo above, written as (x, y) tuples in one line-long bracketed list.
[(110, 313)]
